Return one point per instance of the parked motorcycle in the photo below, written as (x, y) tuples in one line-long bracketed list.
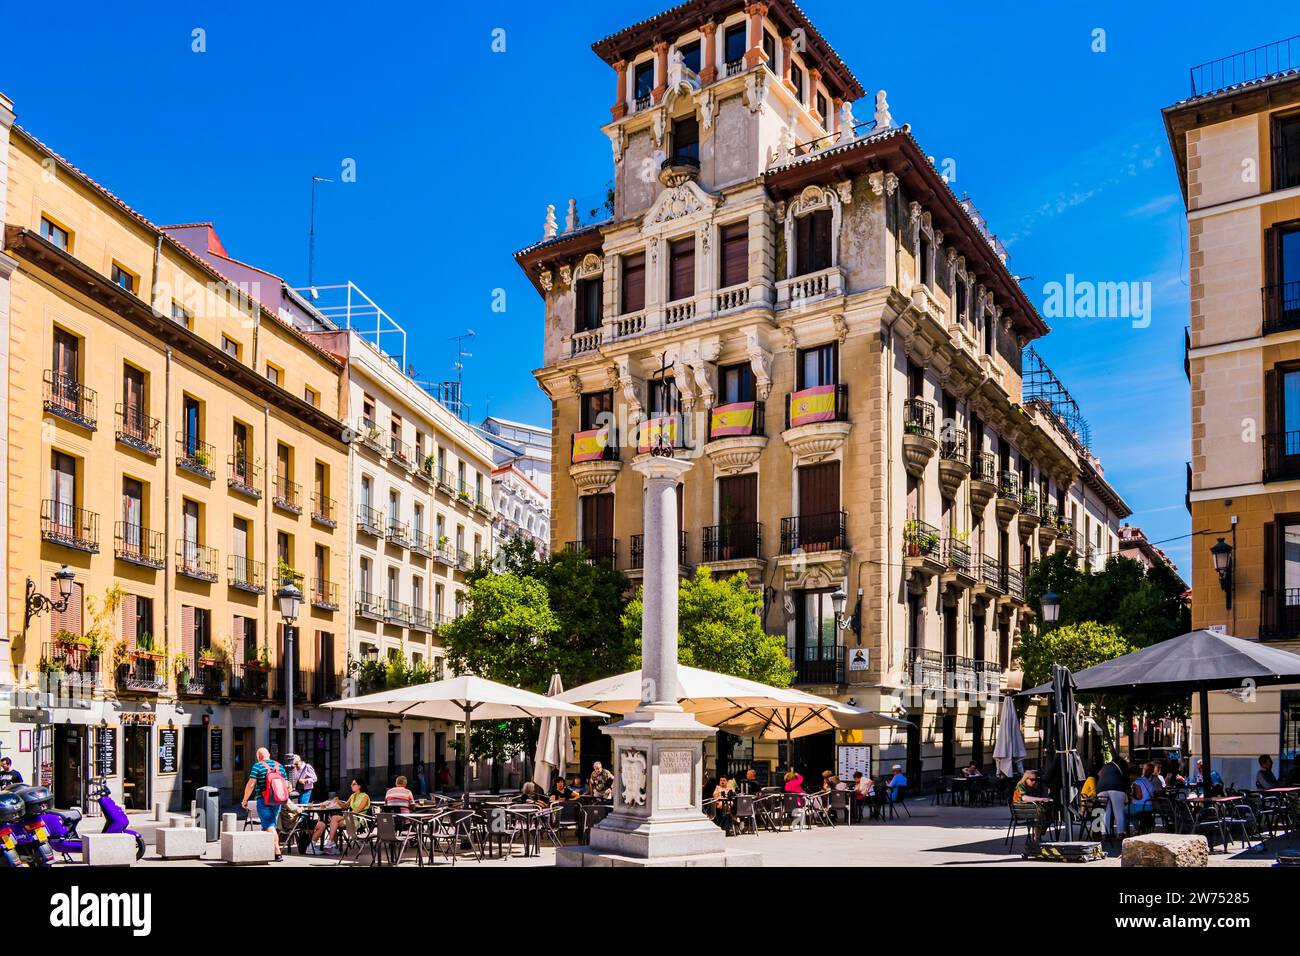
[(62, 824), (30, 835), (12, 810)]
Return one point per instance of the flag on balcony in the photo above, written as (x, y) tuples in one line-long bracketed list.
[(816, 404), (590, 445), (734, 419), (653, 430)]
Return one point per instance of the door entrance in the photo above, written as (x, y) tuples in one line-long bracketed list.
[(948, 761), (243, 754), (194, 762), (913, 770), (136, 748), (69, 765)]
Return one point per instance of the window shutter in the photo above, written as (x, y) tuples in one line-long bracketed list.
[(187, 631), (819, 489), (127, 620), (279, 642), (633, 283), (237, 640), (1272, 411), (1270, 556), (821, 240), (735, 254), (681, 278)]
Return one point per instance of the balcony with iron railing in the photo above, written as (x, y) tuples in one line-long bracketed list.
[(369, 606), (139, 546), (988, 677), (446, 483), (244, 475), (137, 430), (197, 561), (594, 444), (918, 417), (395, 612), (737, 419), (1013, 584), (324, 594), (68, 526), (245, 574), (288, 495), (924, 669), (815, 533), (370, 521), (324, 510), (444, 553), (195, 456), (960, 674), (69, 399), (398, 533), (1279, 615), (1257, 63), (821, 403), (302, 684), (922, 540), (400, 453), (1281, 304), (201, 680), (143, 672), (734, 541), (991, 575), (957, 556), (421, 544), (953, 446), (70, 665), (326, 684), (817, 663), (464, 561), (984, 467), (422, 619), (250, 681), (371, 436), (638, 551), (595, 550)]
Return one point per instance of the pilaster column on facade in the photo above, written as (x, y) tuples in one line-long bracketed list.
[(619, 109), (661, 70), (787, 50), (837, 105), (709, 67), (755, 54), (814, 77)]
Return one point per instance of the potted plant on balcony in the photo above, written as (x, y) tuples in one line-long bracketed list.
[(200, 458), (145, 648), (70, 641), (285, 572), (427, 466), (181, 668), (921, 540)]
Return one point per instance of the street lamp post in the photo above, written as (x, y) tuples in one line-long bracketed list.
[(1051, 605), (290, 599), (37, 603)]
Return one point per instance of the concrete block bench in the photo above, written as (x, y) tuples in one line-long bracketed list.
[(181, 843), (1165, 849), (108, 849), (248, 846)]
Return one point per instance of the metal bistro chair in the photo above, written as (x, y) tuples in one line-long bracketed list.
[(460, 827), (892, 802), (592, 814), (1030, 816), (357, 836), (392, 841), (1207, 822), (744, 817), (819, 809), (841, 802)]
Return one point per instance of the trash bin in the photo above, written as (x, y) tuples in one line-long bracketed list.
[(208, 801)]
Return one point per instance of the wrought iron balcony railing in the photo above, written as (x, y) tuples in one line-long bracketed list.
[(288, 495), (1245, 66), (197, 561), (246, 574), (135, 544), (324, 594), (953, 446), (817, 663), (813, 533), (922, 540), (1281, 303), (369, 605), (197, 457), (638, 550), (924, 668), (918, 417), (250, 681), (737, 541), (137, 430), (984, 467), (64, 524), (244, 475), (324, 510), (737, 419), (70, 400), (595, 550), (370, 520)]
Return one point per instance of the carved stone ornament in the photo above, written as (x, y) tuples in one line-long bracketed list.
[(627, 384), (575, 383), (590, 265), (632, 774), (845, 191), (760, 360), (706, 104), (660, 125), (678, 201), (756, 90), (618, 141), (566, 275), (546, 279)]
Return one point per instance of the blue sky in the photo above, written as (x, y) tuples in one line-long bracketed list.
[(458, 149)]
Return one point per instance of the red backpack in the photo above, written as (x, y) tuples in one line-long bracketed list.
[(276, 790)]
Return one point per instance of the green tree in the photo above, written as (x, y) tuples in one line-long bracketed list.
[(720, 628), (504, 634)]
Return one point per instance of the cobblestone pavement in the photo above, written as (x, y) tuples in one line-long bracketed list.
[(932, 836)]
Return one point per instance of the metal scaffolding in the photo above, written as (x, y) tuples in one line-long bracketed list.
[(1041, 387)]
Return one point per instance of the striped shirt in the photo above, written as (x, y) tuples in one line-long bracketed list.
[(259, 772)]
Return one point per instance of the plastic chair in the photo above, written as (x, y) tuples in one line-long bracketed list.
[(394, 842)]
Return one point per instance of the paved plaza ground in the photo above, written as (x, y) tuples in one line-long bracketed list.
[(933, 836)]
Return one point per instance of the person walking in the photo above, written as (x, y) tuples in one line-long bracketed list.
[(303, 777), (271, 784), (1112, 783)]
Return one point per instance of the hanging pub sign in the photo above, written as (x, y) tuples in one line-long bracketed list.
[(168, 747), (105, 751), (214, 747)]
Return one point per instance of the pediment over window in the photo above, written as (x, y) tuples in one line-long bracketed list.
[(677, 202)]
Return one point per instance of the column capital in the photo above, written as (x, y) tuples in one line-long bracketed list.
[(661, 69), (619, 109), (661, 467)]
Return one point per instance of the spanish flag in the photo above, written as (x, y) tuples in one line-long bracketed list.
[(734, 419), (648, 435), (590, 445), (816, 404)]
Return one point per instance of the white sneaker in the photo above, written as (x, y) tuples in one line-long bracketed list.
[(314, 850), (331, 846)]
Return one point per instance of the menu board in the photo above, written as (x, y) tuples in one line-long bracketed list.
[(214, 748), (168, 748), (105, 751), (854, 757)]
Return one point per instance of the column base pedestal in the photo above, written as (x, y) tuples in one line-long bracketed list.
[(589, 856)]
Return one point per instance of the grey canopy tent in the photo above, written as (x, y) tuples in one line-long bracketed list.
[(1193, 663)]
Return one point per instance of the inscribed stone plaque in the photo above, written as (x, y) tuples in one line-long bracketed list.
[(675, 772)]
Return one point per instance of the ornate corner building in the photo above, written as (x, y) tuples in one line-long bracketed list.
[(799, 299)]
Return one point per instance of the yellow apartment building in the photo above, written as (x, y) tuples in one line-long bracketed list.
[(1236, 144), (179, 449)]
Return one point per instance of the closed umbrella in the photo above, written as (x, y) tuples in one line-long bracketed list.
[(1010, 747), (1065, 739), (554, 742), (461, 698)]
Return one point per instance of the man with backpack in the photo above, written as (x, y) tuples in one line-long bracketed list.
[(271, 784)]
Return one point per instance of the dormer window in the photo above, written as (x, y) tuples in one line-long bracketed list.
[(733, 47), (686, 141), (796, 77), (691, 56)]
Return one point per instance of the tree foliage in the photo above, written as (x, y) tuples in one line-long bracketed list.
[(720, 629)]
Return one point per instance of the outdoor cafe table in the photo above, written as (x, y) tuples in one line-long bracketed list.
[(305, 821)]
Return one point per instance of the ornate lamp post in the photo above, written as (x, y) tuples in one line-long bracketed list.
[(37, 603), (1051, 605), (289, 597)]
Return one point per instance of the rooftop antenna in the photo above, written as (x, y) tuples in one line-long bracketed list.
[(311, 237)]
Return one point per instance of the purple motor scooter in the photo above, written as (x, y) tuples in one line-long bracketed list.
[(62, 824)]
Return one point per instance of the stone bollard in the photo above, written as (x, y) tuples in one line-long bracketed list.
[(158, 810), (229, 822), (108, 849), (248, 846), (1165, 849), (181, 843)]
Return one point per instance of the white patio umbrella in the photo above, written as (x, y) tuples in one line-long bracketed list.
[(554, 742), (1010, 746), (461, 698), (736, 705)]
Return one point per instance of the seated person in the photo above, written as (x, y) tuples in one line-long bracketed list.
[(863, 793), (398, 796), (531, 794), (750, 784), (357, 802), (1027, 787), (897, 782), (1198, 778), (1264, 778), (1144, 788), (576, 787), (793, 782), (560, 790), (972, 769)]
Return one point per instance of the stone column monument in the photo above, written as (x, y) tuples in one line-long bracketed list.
[(658, 819)]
